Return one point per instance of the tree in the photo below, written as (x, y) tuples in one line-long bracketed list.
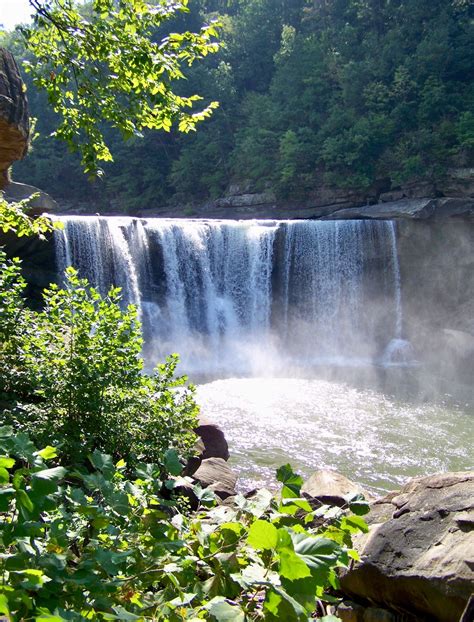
[(108, 62)]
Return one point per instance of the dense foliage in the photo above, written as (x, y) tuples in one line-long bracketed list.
[(94, 544), (346, 92), (72, 374)]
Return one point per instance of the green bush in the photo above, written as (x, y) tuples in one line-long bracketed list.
[(73, 375), (94, 544)]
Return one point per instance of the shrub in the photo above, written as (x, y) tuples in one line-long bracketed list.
[(75, 375), (97, 545)]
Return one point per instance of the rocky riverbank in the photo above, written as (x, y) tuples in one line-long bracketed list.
[(417, 560)]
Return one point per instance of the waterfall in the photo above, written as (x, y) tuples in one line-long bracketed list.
[(239, 297)]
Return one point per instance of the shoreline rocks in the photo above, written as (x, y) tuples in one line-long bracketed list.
[(419, 560)]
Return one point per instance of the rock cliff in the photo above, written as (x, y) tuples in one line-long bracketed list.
[(14, 119)]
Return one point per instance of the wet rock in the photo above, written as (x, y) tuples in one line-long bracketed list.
[(14, 116), (331, 487), (216, 474), (421, 560)]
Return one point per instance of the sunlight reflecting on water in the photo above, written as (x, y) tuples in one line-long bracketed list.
[(316, 424)]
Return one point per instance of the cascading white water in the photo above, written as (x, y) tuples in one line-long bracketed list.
[(247, 296)]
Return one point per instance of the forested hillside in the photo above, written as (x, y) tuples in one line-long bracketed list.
[(350, 93)]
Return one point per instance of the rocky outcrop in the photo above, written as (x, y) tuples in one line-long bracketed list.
[(412, 209), (42, 202), (216, 474), (332, 488), (421, 560), (14, 119)]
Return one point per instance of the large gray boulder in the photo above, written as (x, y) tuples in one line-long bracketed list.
[(14, 117), (421, 560)]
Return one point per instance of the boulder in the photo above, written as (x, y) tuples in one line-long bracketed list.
[(42, 202), (211, 443), (14, 117), (213, 440), (421, 560), (331, 487), (216, 474)]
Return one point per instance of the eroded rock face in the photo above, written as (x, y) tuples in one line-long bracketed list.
[(14, 119), (421, 560)]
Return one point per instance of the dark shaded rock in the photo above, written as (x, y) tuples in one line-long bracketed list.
[(42, 203), (38, 257), (350, 612), (14, 117), (213, 439), (216, 474), (418, 209), (452, 207), (331, 488), (421, 560), (468, 614)]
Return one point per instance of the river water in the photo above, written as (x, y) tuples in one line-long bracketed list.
[(376, 440)]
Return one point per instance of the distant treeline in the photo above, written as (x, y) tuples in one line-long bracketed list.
[(349, 93)]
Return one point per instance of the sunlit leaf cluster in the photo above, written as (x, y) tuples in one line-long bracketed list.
[(105, 63)]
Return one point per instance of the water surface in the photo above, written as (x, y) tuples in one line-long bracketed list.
[(314, 424)]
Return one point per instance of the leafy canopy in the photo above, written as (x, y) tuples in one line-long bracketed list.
[(106, 64)]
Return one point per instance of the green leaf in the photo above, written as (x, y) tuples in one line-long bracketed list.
[(263, 535), (292, 565), (317, 553), (6, 495), (102, 462), (6, 462), (223, 611), (292, 482), (121, 614), (33, 579), (4, 609), (46, 481), (172, 462), (47, 616), (24, 500), (48, 453), (355, 524), (4, 476), (183, 599), (283, 606), (357, 504)]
